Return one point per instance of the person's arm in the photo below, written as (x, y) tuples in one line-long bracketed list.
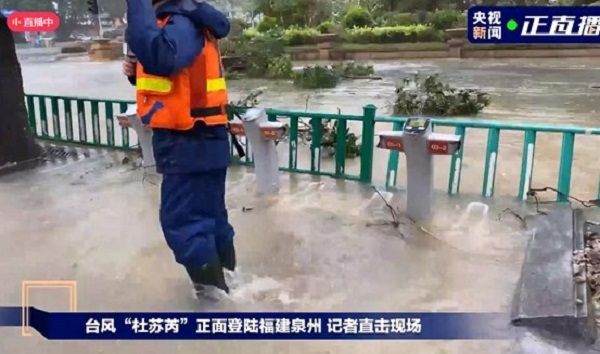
[(204, 15), (161, 51)]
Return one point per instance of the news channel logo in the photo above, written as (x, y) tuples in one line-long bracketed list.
[(547, 24)]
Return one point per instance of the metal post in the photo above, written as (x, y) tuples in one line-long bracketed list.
[(144, 137), (100, 31), (419, 175), (260, 134), (368, 137), (418, 141)]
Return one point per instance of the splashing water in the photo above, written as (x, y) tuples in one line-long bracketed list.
[(474, 219)]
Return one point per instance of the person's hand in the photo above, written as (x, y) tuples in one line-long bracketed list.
[(128, 67), (124, 122)]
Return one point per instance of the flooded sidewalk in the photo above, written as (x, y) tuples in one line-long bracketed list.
[(319, 246)]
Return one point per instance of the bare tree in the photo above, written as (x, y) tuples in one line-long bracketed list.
[(17, 144)]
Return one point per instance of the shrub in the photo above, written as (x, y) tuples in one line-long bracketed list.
[(431, 97), (228, 47), (232, 75), (358, 16), (292, 36), (444, 19), (238, 26), (325, 27), (393, 34), (396, 19), (328, 141), (396, 34), (73, 49), (352, 70), (422, 16), (280, 67), (266, 56), (300, 36), (316, 77), (250, 33), (267, 24), (461, 22)]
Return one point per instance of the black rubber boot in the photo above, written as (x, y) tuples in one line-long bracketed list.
[(209, 275), (228, 259)]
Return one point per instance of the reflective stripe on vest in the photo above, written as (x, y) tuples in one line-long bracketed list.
[(154, 85), (216, 85)]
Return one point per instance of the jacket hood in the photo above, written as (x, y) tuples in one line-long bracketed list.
[(202, 14)]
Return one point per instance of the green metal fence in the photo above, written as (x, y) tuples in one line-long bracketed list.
[(491, 154), (91, 122), (77, 120)]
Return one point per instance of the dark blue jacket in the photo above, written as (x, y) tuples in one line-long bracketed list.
[(166, 51)]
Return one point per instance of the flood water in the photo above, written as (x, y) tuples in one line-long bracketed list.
[(544, 91), (319, 245)]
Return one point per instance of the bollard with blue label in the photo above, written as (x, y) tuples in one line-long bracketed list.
[(418, 141), (261, 135)]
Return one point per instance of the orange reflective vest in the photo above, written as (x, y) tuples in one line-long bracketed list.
[(196, 93)]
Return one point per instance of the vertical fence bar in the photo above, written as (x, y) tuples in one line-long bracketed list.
[(55, 113), (31, 114), (315, 145), (110, 125), (368, 138), (391, 177), (124, 131), (95, 122), (528, 156), (566, 165), (456, 163), (491, 158), (68, 119), (81, 121), (293, 145), (43, 116), (229, 109), (340, 148)]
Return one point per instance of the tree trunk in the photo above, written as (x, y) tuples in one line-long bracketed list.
[(17, 145)]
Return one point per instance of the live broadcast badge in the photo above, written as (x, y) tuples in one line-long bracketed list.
[(26, 21)]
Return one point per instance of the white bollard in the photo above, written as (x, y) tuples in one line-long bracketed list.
[(144, 137), (261, 135)]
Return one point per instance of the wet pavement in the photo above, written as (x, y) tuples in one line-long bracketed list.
[(316, 247)]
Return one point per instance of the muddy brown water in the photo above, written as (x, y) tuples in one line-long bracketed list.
[(545, 91), (311, 248)]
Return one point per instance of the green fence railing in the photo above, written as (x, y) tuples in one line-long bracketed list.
[(91, 122), (530, 132), (76, 120)]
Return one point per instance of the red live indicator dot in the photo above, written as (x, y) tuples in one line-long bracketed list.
[(26, 21)]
